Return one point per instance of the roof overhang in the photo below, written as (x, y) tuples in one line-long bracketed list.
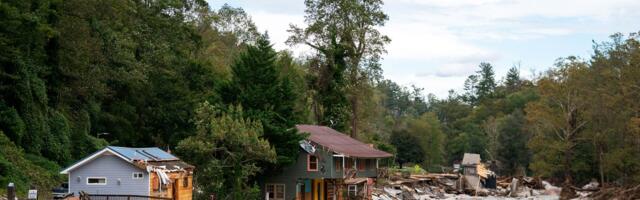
[(91, 157), (340, 143)]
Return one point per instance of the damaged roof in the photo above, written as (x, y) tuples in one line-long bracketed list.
[(150, 155), (169, 165), (340, 143)]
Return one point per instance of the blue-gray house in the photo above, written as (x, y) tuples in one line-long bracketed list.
[(131, 171), (330, 166)]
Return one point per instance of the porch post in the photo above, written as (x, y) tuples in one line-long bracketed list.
[(344, 171)]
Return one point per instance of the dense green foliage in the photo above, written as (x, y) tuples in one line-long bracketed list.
[(408, 147), (24, 170), (227, 149), (265, 96)]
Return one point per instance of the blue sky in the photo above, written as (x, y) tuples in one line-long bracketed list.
[(436, 44)]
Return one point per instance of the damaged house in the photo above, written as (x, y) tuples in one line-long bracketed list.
[(131, 171), (330, 165), (476, 175)]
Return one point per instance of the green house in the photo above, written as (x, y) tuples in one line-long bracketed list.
[(331, 165)]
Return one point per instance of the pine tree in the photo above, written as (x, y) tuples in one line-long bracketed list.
[(266, 97), (486, 82), (512, 82), (470, 87)]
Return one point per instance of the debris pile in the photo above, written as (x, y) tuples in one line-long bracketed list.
[(444, 186), (472, 179), (431, 186), (616, 193)]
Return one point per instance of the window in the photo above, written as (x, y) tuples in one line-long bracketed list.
[(370, 164), (137, 175), (338, 162), (361, 164), (348, 163), (352, 190), (275, 191), (155, 183), (185, 182), (312, 163), (96, 180)]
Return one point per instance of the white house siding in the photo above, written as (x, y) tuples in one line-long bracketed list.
[(114, 169)]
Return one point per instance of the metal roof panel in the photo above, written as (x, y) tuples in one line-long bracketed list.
[(146, 153)]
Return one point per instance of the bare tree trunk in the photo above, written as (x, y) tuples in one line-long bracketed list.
[(567, 190), (601, 165), (354, 116), (316, 110)]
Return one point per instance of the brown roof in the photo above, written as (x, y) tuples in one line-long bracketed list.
[(340, 143)]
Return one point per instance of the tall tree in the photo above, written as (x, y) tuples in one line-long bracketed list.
[(613, 111), (512, 80), (267, 97), (512, 152), (345, 36), (557, 120), (226, 150), (486, 82), (471, 90), (427, 131), (407, 146)]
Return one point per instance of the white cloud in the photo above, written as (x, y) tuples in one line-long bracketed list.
[(276, 25), (424, 41), (442, 41)]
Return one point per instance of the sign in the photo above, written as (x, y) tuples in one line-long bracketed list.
[(33, 194)]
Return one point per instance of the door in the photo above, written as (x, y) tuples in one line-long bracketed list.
[(175, 189), (330, 192)]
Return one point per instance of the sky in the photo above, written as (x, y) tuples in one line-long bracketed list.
[(437, 44)]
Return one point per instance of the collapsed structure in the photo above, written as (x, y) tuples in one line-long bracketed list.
[(330, 165), (471, 178), (475, 175)]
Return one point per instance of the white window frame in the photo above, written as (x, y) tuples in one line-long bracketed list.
[(133, 175), (275, 189), (105, 180), (309, 163), (355, 190)]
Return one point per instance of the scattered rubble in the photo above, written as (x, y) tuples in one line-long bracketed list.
[(620, 193), (452, 186), (473, 181)]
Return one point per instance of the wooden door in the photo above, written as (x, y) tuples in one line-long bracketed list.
[(175, 190), (330, 190)]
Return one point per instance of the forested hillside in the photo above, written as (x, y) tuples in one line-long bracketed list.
[(77, 75)]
